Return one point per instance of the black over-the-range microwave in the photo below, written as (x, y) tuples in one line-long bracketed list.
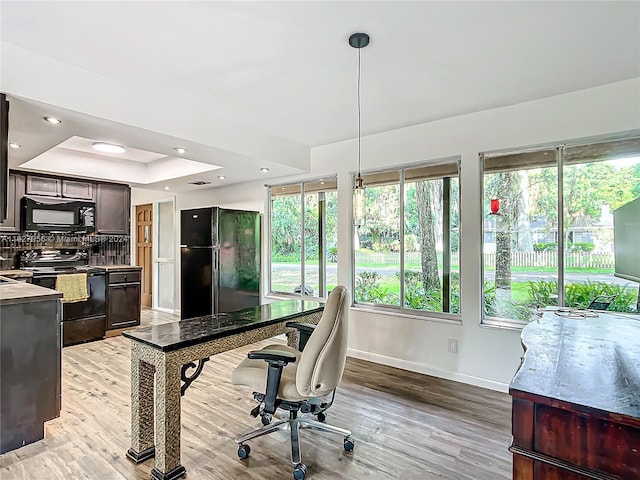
[(43, 214)]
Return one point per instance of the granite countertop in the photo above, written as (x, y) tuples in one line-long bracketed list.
[(12, 292), (15, 274), (113, 268), (193, 331)]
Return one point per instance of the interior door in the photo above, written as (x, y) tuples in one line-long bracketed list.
[(144, 250)]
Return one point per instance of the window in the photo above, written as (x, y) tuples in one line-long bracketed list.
[(313, 273), (406, 253), (549, 238)]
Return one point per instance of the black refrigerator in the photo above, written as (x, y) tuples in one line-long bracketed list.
[(219, 261)]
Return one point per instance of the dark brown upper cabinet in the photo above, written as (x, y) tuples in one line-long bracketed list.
[(78, 189), (113, 205), (50, 187), (15, 191), (60, 187)]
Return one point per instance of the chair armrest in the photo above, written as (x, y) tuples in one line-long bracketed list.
[(305, 330), (277, 360), (302, 327), (272, 355)]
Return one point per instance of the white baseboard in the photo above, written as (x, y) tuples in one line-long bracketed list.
[(429, 370)]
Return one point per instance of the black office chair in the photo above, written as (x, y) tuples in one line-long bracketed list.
[(601, 302), (284, 378)]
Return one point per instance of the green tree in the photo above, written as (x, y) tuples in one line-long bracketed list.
[(505, 186), (426, 219)]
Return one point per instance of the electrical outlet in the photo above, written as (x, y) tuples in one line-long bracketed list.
[(453, 345)]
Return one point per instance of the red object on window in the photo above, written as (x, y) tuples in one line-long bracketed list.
[(495, 205)]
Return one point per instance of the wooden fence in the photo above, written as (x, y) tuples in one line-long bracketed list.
[(550, 259), (518, 259)]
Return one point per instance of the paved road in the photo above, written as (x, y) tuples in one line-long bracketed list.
[(332, 269)]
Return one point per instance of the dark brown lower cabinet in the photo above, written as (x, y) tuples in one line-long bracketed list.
[(123, 299), (29, 370)]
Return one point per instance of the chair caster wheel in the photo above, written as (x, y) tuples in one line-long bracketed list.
[(244, 451), (349, 444), (321, 417), (299, 471), (265, 419)]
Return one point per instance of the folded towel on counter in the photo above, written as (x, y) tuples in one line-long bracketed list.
[(73, 287)]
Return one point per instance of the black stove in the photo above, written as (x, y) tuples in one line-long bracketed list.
[(83, 320), (52, 262)]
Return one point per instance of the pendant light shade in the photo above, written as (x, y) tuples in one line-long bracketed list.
[(359, 202), (359, 41)]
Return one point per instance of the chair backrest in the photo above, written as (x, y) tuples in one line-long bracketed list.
[(601, 302), (323, 358)]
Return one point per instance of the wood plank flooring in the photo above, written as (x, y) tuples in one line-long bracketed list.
[(406, 426)]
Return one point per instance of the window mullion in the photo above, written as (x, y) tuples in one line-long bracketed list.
[(322, 244), (269, 246), (302, 234), (561, 242), (402, 220), (446, 244)]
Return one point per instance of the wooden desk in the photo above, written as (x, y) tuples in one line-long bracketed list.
[(161, 356), (576, 400)]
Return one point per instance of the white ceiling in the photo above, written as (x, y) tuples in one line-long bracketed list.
[(251, 84)]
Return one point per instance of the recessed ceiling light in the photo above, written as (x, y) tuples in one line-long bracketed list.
[(53, 120), (321, 182), (167, 188), (15, 145), (107, 147), (180, 150), (221, 177), (264, 169)]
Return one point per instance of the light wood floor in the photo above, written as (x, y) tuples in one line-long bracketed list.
[(406, 426)]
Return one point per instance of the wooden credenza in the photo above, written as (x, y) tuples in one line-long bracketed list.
[(576, 400)]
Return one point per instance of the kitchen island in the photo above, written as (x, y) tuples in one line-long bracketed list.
[(30, 345), (161, 355)]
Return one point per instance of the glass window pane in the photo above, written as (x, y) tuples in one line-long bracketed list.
[(377, 244), (594, 186), (286, 235), (431, 278), (331, 232), (166, 236), (520, 259), (165, 285), (312, 243)]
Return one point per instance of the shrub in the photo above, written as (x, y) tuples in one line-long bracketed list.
[(581, 247), (543, 293), (369, 291), (545, 247), (580, 295)]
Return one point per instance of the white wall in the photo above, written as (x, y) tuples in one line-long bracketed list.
[(487, 356)]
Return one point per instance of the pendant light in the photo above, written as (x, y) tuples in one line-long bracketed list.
[(359, 41)]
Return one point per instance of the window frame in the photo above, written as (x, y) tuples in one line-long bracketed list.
[(560, 162), (301, 183), (400, 309)]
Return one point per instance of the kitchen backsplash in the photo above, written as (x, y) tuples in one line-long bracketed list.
[(103, 249)]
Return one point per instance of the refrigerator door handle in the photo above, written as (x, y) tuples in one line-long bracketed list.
[(216, 280)]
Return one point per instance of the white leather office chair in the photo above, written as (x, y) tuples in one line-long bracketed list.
[(283, 378)]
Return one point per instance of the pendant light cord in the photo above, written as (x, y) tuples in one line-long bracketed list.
[(358, 89)]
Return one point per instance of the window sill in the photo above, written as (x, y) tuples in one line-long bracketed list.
[(500, 324), (293, 296), (427, 316)]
